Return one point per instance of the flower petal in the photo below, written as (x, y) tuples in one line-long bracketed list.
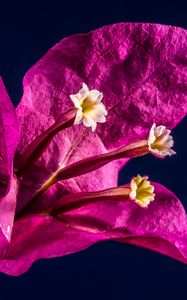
[(83, 93), (96, 95), (75, 101)]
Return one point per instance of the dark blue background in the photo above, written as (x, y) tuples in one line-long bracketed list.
[(108, 270)]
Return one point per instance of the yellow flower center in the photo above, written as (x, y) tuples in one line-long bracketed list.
[(90, 109), (87, 106), (141, 191)]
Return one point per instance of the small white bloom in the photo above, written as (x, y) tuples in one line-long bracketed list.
[(141, 191), (90, 109), (160, 141)]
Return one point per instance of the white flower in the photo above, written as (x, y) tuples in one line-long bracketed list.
[(90, 109), (141, 191), (160, 141)]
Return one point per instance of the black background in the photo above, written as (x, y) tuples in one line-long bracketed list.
[(108, 270)]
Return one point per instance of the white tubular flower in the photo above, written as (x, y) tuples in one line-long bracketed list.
[(141, 191), (90, 109), (160, 141)]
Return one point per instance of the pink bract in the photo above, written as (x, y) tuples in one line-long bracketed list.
[(141, 71), (37, 236), (8, 142)]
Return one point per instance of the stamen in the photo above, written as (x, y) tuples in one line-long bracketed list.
[(90, 109), (160, 141)]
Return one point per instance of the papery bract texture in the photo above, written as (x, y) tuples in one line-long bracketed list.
[(139, 68), (141, 71), (9, 135), (161, 227)]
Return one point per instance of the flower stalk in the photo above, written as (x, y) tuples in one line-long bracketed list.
[(77, 200), (90, 164), (140, 191)]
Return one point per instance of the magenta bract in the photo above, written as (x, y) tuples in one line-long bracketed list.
[(124, 221), (8, 142), (140, 69)]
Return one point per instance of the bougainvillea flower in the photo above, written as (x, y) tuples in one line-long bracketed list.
[(160, 141), (64, 181), (90, 109)]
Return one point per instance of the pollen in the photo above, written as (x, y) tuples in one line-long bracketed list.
[(141, 191), (160, 141), (90, 109)]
